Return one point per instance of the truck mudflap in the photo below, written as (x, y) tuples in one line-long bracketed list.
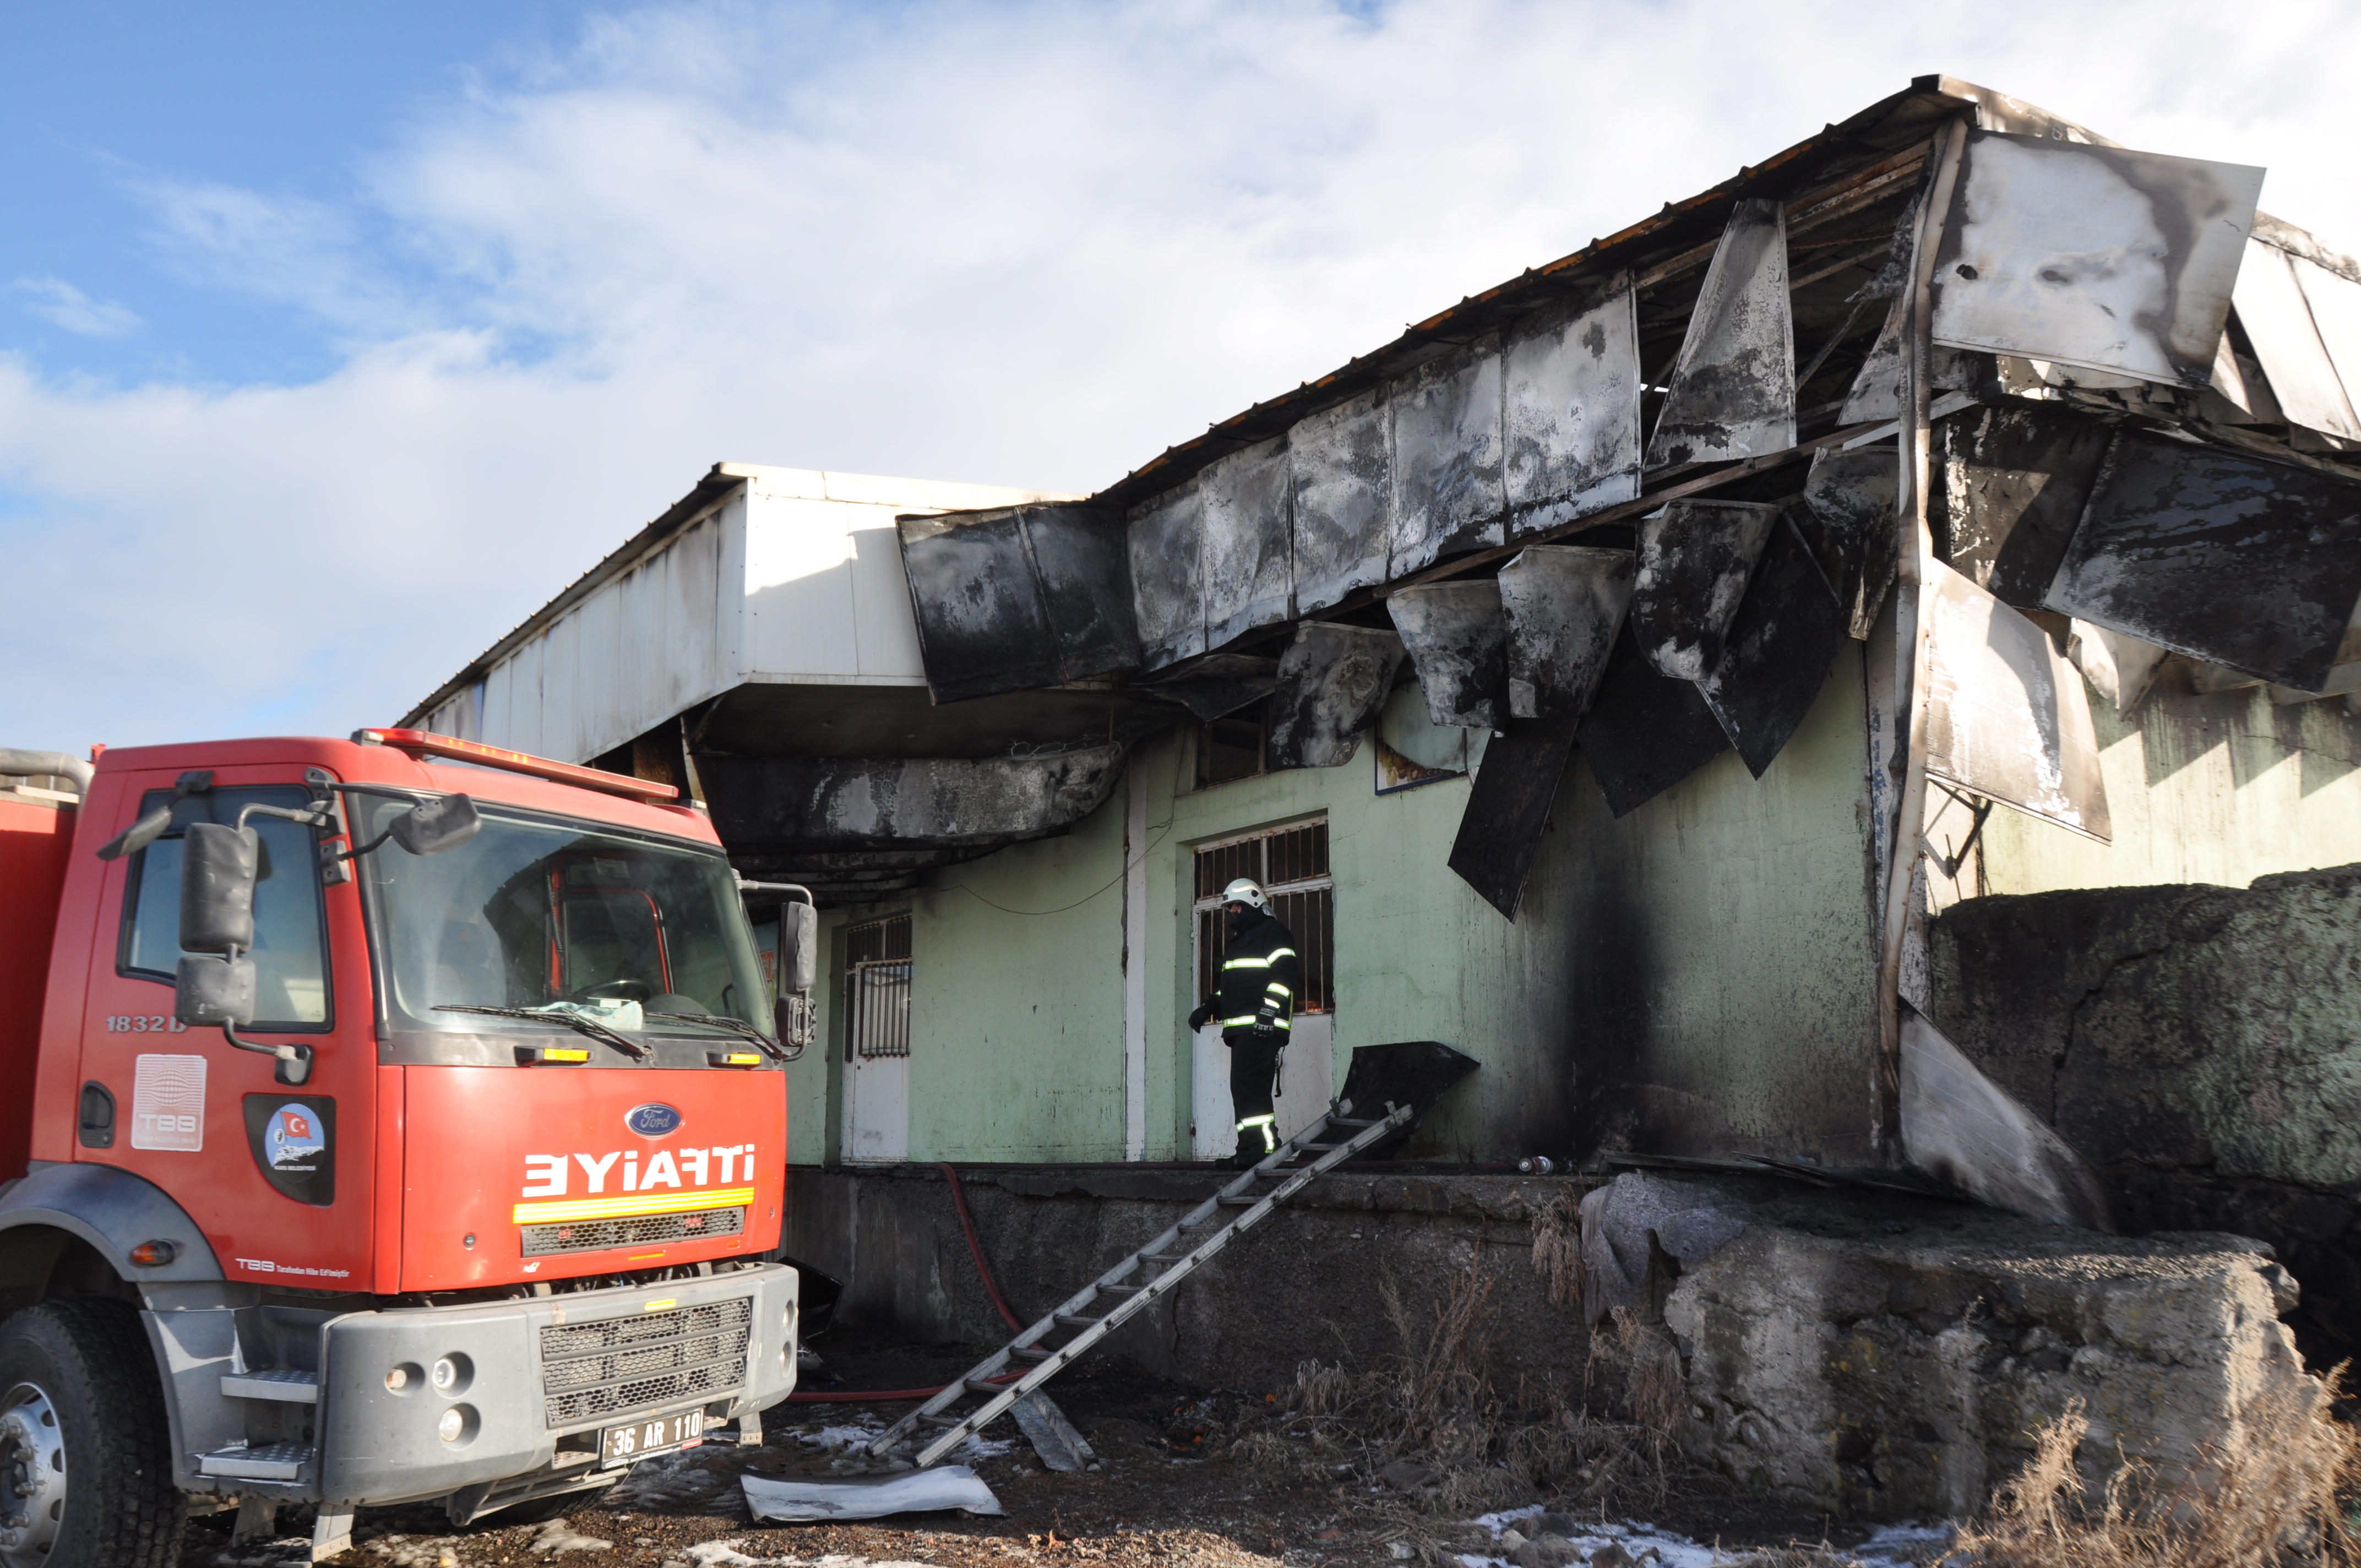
[(506, 1399)]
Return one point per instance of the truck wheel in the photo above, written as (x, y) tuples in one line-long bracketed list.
[(85, 1454)]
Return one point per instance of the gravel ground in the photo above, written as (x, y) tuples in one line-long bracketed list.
[(1163, 1495)]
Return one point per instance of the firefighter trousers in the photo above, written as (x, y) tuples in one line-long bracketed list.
[(1254, 1067)]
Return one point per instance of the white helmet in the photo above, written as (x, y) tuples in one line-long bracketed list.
[(1246, 893)]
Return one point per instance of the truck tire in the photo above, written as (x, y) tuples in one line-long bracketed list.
[(82, 1430)]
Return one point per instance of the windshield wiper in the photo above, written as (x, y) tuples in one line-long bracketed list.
[(574, 1021), (735, 1025)]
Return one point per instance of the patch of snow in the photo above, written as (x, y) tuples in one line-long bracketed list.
[(1638, 1540), (1905, 1545), (1498, 1522)]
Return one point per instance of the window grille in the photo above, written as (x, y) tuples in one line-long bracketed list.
[(1291, 864), (877, 989)]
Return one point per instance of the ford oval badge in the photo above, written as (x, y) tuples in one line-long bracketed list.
[(653, 1120)]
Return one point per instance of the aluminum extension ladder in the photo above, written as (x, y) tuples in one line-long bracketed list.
[(1125, 1287)]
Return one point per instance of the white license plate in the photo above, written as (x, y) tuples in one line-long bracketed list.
[(621, 1445)]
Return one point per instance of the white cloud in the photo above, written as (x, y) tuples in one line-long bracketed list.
[(62, 305), (1030, 244)]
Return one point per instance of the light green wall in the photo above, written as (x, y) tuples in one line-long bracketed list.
[(1693, 976), (2217, 788)]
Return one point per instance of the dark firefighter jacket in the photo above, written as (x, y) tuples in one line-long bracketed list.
[(1260, 964)]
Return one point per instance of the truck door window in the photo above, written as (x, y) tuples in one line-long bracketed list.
[(290, 943)]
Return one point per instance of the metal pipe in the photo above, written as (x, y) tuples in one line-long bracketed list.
[(55, 764)]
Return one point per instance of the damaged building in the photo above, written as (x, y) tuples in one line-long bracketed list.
[(1955, 490)]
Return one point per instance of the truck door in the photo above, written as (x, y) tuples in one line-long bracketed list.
[(279, 1177)]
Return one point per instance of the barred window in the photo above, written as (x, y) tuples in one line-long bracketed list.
[(877, 989), (1291, 864)]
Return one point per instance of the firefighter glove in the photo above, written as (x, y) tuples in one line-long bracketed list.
[(1201, 1016), (1266, 1022)]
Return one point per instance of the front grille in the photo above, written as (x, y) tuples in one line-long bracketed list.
[(598, 1235), (619, 1365)]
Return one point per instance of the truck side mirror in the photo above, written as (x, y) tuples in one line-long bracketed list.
[(219, 867), (213, 991), (138, 836), (434, 825), (799, 946)]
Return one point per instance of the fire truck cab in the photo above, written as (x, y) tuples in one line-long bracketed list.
[(381, 1119)]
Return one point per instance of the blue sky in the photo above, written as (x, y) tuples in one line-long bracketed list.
[(105, 107), (336, 338)]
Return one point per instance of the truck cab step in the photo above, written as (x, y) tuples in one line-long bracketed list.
[(258, 1462), (284, 1384)]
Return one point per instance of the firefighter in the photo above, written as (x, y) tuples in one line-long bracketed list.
[(1254, 1001)]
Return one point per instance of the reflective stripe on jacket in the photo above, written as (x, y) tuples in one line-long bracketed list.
[(1260, 964)]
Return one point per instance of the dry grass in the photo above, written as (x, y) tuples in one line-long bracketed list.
[(2285, 1496), (1437, 1402), (1557, 1249)]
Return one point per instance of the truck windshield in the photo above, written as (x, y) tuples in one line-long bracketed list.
[(537, 911)]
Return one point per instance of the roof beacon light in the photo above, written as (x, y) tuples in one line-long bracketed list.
[(427, 744)]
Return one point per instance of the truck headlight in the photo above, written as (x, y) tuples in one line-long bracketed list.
[(452, 1426)]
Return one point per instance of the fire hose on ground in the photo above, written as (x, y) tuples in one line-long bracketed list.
[(991, 1289)]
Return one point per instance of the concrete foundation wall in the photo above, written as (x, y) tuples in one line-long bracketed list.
[(2202, 1046), (1306, 1285)]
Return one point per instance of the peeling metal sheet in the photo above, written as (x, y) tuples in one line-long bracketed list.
[(983, 627), (1876, 391), (2278, 323), (1085, 575), (2336, 304), (1015, 599), (1458, 641), (2226, 558), (1217, 685), (1508, 806), (1785, 636), (1572, 419), (1248, 574), (2008, 717), (2092, 256), (1447, 487), (1563, 605), (1333, 682), (1959, 1126), (1166, 537), (1732, 391), (1852, 496), (1342, 463), (769, 805), (1695, 558), (1644, 732), (2008, 492), (2119, 668)]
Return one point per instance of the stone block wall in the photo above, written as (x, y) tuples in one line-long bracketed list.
[(2200, 1046)]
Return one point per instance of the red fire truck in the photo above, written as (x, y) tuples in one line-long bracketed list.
[(381, 1120)]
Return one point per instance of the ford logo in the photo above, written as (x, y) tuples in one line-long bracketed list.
[(652, 1120)]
